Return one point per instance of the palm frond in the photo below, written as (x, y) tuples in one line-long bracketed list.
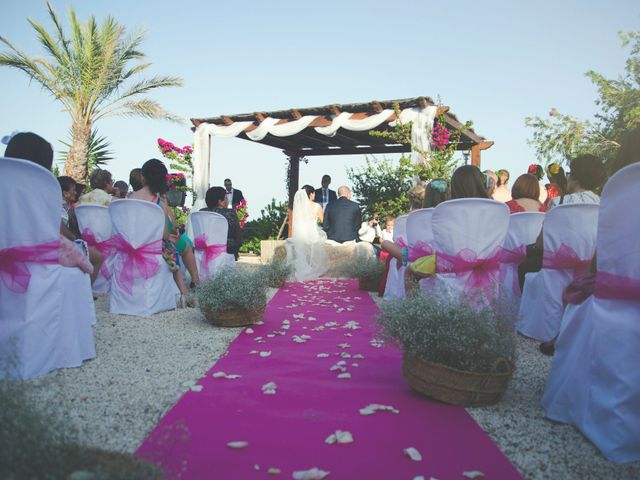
[(98, 150), (144, 107)]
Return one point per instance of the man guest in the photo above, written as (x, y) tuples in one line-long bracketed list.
[(323, 195), (342, 218), (234, 196)]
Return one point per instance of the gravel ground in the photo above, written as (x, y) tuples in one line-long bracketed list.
[(143, 365)]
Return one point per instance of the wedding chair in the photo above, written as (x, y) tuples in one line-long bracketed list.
[(394, 288), (569, 234), (420, 239), (468, 235), (46, 309), (594, 382), (210, 242), (141, 283), (95, 227), (523, 230)]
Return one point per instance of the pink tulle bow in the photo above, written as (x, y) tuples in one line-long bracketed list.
[(211, 252), (105, 248), (481, 273), (14, 272), (610, 286), (139, 262), (565, 258), (514, 257), (419, 250), (401, 243)]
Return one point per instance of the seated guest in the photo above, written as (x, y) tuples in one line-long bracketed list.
[(32, 147), (587, 175), (537, 171), (120, 189), (557, 185), (81, 188), (68, 187), (135, 180), (416, 197), (491, 182), (216, 200), (387, 233), (153, 177), (436, 192), (101, 183), (370, 229), (502, 192), (525, 194)]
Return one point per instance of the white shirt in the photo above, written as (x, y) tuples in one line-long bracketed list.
[(368, 233), (579, 197), (325, 197), (230, 199), (387, 235)]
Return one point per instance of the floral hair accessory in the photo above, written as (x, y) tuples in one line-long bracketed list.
[(532, 169), (439, 185), (554, 168), (7, 138)]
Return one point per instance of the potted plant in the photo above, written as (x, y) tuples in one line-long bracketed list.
[(453, 352), (233, 297), (176, 194), (276, 272), (367, 269)]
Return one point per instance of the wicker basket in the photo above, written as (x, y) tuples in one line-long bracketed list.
[(369, 284), (234, 317), (457, 387)]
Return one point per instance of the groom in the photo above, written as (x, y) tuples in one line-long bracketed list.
[(342, 218)]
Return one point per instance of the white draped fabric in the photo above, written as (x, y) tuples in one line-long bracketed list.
[(422, 119)]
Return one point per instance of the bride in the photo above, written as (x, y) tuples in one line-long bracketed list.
[(305, 247)]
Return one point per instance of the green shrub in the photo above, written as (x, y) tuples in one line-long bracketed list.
[(233, 287), (276, 272), (438, 328), (364, 268)]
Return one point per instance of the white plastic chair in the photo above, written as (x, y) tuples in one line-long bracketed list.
[(475, 229), (394, 288), (420, 239), (569, 227), (95, 226), (47, 326), (140, 223), (594, 382), (210, 228), (523, 230)]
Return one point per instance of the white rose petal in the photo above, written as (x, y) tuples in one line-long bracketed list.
[(298, 339), (259, 323), (339, 437), (413, 454), (344, 375), (358, 356), (265, 354), (344, 345), (298, 315), (270, 335), (253, 352), (256, 467), (312, 474), (419, 477), (249, 330), (345, 355), (196, 388), (286, 322), (322, 355), (331, 324), (224, 375), (238, 444), (473, 474), (355, 365), (312, 319), (273, 471), (348, 335)]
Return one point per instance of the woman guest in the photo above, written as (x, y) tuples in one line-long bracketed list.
[(537, 171), (502, 192), (558, 182), (216, 200), (526, 194), (587, 175)]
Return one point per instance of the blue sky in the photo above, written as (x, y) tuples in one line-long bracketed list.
[(493, 62)]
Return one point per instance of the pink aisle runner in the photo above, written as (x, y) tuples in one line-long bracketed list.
[(320, 348)]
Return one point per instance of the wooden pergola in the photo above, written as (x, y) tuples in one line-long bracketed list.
[(308, 142)]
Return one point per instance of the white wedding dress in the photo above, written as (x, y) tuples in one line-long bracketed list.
[(306, 247)]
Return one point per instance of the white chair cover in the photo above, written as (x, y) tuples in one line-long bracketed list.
[(541, 304), (594, 381), (96, 218), (523, 230), (420, 238), (140, 223), (214, 227), (394, 288), (474, 224), (48, 326)]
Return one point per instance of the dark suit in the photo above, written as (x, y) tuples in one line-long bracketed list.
[(342, 220), (332, 196)]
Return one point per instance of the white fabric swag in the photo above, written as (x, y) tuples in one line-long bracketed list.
[(420, 136)]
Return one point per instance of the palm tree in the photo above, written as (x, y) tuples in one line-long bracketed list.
[(98, 151), (91, 75)]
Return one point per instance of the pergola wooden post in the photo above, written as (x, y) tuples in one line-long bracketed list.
[(294, 180), (475, 152)]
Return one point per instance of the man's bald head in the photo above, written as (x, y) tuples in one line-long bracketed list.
[(344, 191)]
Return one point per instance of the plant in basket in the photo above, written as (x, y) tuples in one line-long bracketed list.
[(276, 272), (453, 352), (234, 296), (367, 269)]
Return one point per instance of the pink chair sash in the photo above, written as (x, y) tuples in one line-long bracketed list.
[(565, 258), (401, 243), (512, 257), (139, 262), (419, 250), (211, 252), (105, 248), (617, 287), (482, 272), (14, 272)]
